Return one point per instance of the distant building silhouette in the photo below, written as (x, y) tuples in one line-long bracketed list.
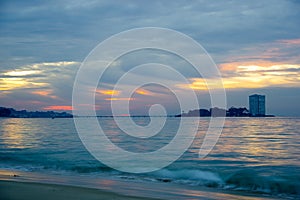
[(257, 105)]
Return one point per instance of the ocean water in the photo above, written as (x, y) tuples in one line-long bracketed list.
[(256, 155)]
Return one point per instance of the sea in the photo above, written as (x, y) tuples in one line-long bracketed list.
[(259, 156)]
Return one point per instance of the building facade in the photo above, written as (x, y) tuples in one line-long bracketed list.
[(257, 105)]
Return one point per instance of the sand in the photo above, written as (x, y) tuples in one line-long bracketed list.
[(17, 185), (11, 190)]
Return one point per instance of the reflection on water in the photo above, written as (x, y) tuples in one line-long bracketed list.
[(19, 133), (257, 140)]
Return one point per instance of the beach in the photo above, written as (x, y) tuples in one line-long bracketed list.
[(27, 191), (15, 185)]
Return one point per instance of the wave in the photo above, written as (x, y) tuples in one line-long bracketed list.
[(245, 179), (242, 180), (189, 176), (249, 181)]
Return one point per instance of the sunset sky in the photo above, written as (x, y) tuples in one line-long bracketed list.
[(256, 46)]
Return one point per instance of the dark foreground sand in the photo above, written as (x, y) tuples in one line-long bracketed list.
[(10, 190)]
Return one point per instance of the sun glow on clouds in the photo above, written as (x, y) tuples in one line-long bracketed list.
[(54, 64), (21, 73), (39, 83), (7, 84), (115, 94), (253, 68), (144, 92), (139, 91), (22, 78), (42, 93), (109, 92), (45, 93), (119, 99), (67, 108), (251, 75), (255, 75)]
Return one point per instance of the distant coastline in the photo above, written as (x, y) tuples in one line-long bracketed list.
[(220, 112), (12, 113), (212, 112)]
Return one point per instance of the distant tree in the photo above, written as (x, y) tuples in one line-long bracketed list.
[(204, 113), (237, 112), (218, 112), (4, 112)]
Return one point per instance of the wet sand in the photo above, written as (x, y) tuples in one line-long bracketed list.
[(11, 190), (17, 185)]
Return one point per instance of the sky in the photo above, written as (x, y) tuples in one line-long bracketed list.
[(255, 45)]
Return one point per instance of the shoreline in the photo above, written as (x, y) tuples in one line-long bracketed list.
[(15, 190), (32, 185)]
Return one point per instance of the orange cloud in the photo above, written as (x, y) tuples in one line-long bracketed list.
[(232, 66), (17, 83), (41, 93), (203, 84), (143, 92), (109, 92), (250, 75), (69, 108), (18, 78), (197, 84), (44, 93), (119, 99)]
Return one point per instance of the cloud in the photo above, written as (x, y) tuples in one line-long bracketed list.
[(119, 99), (291, 41), (65, 108), (33, 76), (142, 91), (280, 51), (259, 75), (108, 92), (255, 44), (20, 73), (38, 84), (61, 30), (250, 75), (9, 84), (45, 93)]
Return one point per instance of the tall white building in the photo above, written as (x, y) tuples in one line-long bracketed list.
[(257, 105)]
